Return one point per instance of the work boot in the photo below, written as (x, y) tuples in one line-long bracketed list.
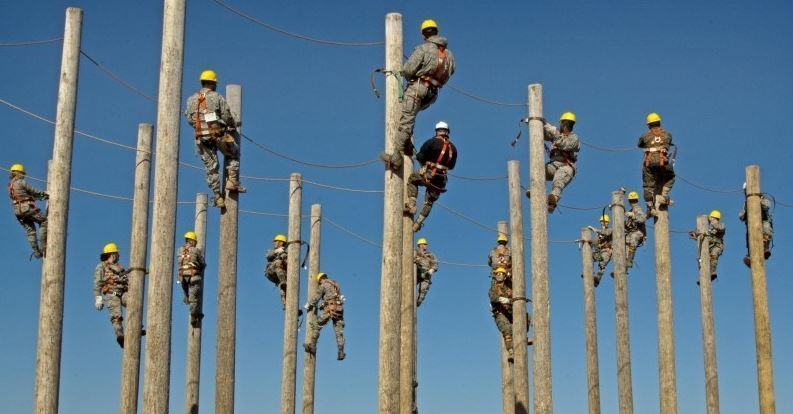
[(650, 209), (299, 313), (120, 340), (234, 186), (195, 320), (341, 355), (767, 254), (528, 193), (38, 254), (552, 200), (310, 348), (392, 162), (530, 341), (596, 280), (218, 201), (419, 223), (747, 261), (142, 332), (410, 207)]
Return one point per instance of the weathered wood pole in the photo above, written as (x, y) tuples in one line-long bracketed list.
[(130, 369), (666, 336), (706, 302), (48, 351), (762, 322), (226, 340), (619, 258), (407, 347), (541, 317), (309, 359), (156, 390), (288, 373), (590, 327), (391, 268), (519, 335), (507, 380), (193, 374)]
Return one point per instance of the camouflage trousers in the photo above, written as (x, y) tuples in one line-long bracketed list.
[(602, 257), (423, 280), (417, 97), (114, 302), (277, 275), (715, 250), (207, 148), (504, 324), (560, 174), (192, 287), (28, 220), (633, 240), (434, 183), (319, 322), (657, 181)]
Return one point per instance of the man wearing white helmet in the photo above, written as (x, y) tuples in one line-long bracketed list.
[(437, 156)]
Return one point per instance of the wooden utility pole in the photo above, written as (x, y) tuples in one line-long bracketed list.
[(407, 346), (666, 336), (706, 302), (519, 335), (227, 283), (292, 295), (157, 376), (507, 379), (619, 258), (48, 351), (310, 360), (762, 321), (541, 318), (391, 268), (193, 375), (590, 321), (130, 370)]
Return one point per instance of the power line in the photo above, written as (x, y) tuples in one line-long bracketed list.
[(702, 187), (609, 149), (482, 99), (307, 163), (30, 42), (466, 218), (475, 178), (116, 78)]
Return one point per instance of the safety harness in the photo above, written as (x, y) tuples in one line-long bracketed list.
[(20, 199), (438, 77), (187, 266), (115, 283), (213, 130), (334, 306), (661, 142)]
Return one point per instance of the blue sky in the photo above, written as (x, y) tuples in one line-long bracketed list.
[(718, 72)]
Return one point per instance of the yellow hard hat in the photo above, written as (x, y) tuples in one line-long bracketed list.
[(190, 235), (320, 275), (567, 116), (653, 117), (633, 195), (605, 218), (500, 270), (110, 248), (18, 168), (209, 76), (429, 24), (421, 241), (501, 237), (279, 237), (715, 214)]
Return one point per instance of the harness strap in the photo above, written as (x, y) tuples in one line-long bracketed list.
[(16, 198)]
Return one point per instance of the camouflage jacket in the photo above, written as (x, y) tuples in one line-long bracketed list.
[(216, 109), (765, 209), (636, 220), (500, 290), (428, 61), (715, 233), (564, 147), (276, 259), (329, 293), (603, 240), (191, 261), (500, 256), (21, 192), (425, 262), (655, 143), (110, 278)]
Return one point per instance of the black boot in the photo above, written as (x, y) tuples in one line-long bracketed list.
[(310, 348), (341, 355)]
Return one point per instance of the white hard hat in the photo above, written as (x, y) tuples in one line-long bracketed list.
[(441, 125)]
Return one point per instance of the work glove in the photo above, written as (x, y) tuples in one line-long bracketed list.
[(430, 272), (99, 303), (591, 228), (309, 307), (45, 196), (629, 214), (504, 300)]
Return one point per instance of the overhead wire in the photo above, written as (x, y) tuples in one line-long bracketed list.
[(307, 163), (30, 42), (117, 78)]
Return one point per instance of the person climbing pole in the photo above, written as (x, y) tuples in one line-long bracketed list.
[(215, 129), (714, 236), (426, 266), (768, 226), (602, 250), (501, 255), (23, 201), (658, 174), (635, 227), (332, 308), (563, 155), (191, 273), (427, 69), (437, 156), (500, 295), (276, 265), (111, 282)]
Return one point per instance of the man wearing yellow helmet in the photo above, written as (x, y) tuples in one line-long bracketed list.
[(332, 308), (426, 266), (276, 265), (191, 275), (602, 249), (111, 283), (768, 226), (500, 295), (563, 155), (635, 227), (715, 238), (427, 69), (501, 255), (658, 174), (215, 129), (23, 201)]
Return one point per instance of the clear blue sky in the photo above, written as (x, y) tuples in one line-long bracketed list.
[(718, 72)]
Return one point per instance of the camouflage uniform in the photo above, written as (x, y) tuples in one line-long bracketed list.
[(561, 167), (23, 202), (602, 252), (332, 310), (500, 256), (715, 239), (276, 270), (635, 231), (111, 282), (426, 266), (768, 226), (658, 173), (499, 293), (191, 274), (217, 134)]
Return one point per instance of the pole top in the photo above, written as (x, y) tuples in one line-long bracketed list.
[(586, 234), (394, 16)]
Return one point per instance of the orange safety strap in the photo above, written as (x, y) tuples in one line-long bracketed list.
[(446, 147), (17, 199), (202, 104)]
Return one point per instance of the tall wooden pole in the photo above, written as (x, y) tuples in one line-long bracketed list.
[(193, 374), (407, 347), (48, 351), (762, 322), (130, 370), (619, 258), (227, 285), (391, 268), (507, 379), (666, 336), (541, 318), (706, 302), (519, 336), (292, 296), (590, 321), (310, 360), (166, 173)]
